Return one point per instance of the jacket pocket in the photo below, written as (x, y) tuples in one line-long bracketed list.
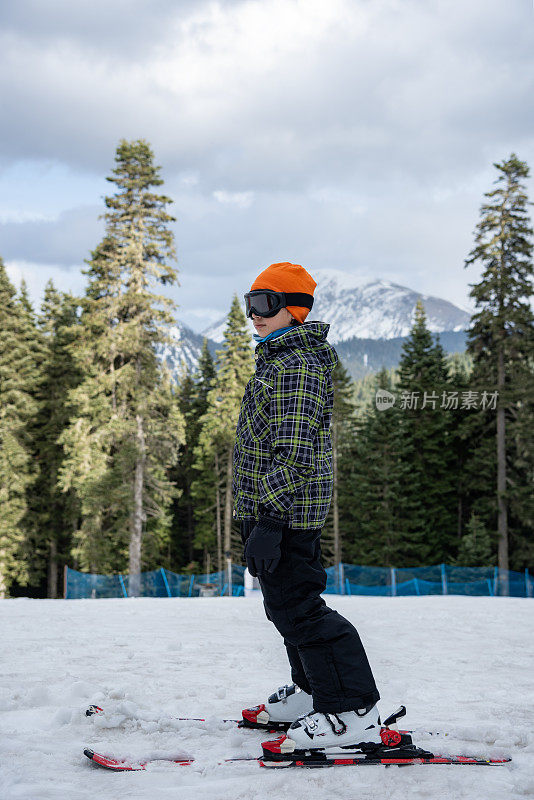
[(258, 410)]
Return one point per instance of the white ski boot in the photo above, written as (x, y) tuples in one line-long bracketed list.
[(282, 708), (332, 733)]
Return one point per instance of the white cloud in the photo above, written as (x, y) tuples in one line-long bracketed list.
[(189, 180), (332, 195), (269, 92), (357, 134), (200, 317), (8, 215), (239, 199), (37, 276)]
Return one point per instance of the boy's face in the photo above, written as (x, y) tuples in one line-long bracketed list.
[(266, 325)]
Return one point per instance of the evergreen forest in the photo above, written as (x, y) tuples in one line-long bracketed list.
[(109, 463)]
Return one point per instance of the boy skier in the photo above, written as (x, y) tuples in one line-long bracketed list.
[(282, 488)]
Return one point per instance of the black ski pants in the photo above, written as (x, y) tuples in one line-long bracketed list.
[(325, 652)]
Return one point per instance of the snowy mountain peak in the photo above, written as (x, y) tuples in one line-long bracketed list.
[(368, 308), (344, 281), (357, 307), (184, 350)]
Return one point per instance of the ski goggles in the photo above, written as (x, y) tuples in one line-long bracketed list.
[(267, 303)]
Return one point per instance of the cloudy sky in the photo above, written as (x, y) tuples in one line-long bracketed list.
[(350, 134)]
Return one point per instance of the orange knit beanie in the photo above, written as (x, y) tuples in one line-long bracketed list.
[(286, 277)]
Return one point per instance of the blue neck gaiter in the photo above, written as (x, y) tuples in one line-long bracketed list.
[(272, 335)]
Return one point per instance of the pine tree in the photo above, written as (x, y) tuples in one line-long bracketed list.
[(24, 301), (57, 512), (475, 547), (458, 422), (126, 427), (235, 365), (206, 375), (429, 497), (501, 341), (376, 476), (342, 433), (18, 406), (192, 400), (182, 530), (32, 370), (364, 390)]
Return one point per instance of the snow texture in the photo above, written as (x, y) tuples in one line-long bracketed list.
[(459, 664), (182, 352)]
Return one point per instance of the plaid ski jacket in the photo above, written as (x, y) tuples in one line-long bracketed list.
[(283, 451)]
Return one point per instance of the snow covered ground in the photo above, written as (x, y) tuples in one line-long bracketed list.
[(464, 665)]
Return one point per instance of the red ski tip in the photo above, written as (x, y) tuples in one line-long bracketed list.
[(122, 765), (251, 714)]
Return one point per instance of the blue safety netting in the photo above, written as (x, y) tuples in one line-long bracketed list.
[(348, 579), (158, 583), (438, 579)]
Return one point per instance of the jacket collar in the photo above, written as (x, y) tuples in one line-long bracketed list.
[(308, 335)]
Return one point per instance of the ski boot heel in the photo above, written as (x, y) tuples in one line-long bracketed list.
[(282, 708)]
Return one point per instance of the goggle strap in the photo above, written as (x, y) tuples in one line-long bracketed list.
[(299, 299)]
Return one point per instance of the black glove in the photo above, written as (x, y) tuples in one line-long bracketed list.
[(262, 548), (247, 526)]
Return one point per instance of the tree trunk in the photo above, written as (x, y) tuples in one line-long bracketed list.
[(52, 570), (138, 515), (502, 525), (3, 582), (190, 530), (218, 513), (228, 516), (113, 381)]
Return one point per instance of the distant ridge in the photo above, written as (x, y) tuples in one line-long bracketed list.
[(369, 309), (369, 322)]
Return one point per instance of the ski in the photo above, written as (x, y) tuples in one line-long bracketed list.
[(122, 765), (316, 761), (95, 710), (386, 762), (397, 749), (249, 724)]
